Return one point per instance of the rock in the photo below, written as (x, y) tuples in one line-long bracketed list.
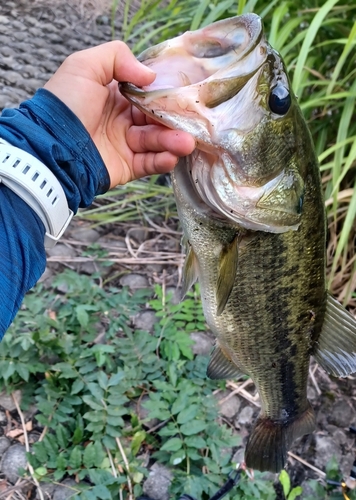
[(326, 448), (61, 250), (239, 456), (4, 445), (158, 482), (342, 414), (86, 235), (311, 393), (154, 268), (47, 491), (46, 277), (339, 437), (230, 407), (92, 267), (107, 241), (134, 281), (145, 320), (139, 234), (203, 343), (175, 295), (13, 459), (7, 401), (68, 489), (3, 419), (245, 416)]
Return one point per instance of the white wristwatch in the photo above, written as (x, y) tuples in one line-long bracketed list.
[(32, 181)]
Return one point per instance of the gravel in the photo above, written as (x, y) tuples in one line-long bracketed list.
[(7, 401), (203, 343), (134, 281), (13, 459), (158, 482)]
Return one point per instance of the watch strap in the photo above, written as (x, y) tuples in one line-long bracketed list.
[(32, 181)]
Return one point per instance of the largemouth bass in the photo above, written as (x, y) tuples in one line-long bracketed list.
[(250, 202)]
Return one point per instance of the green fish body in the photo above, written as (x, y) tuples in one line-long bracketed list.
[(250, 201)]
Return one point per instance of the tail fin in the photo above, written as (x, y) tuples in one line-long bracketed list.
[(270, 440)]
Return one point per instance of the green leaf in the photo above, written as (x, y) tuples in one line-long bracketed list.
[(62, 436), (93, 404), (116, 379), (180, 403), (137, 440), (75, 458), (172, 373), (285, 482), (297, 491), (195, 442), (41, 452), (89, 456), (66, 370), (177, 457), (188, 414), (193, 427), (82, 315), (62, 460), (78, 435), (40, 472), (173, 444), (23, 371), (96, 391), (102, 492), (95, 416), (77, 386)]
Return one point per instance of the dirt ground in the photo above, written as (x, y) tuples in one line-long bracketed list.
[(35, 37)]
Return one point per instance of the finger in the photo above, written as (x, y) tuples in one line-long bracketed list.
[(153, 163), (112, 61), (139, 118), (159, 138)]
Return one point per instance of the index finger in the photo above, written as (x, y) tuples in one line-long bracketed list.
[(112, 61)]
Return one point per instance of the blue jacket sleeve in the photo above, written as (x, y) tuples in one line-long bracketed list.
[(44, 127)]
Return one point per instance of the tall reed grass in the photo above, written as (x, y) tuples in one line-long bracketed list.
[(317, 40)]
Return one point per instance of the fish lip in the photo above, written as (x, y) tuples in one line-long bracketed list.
[(251, 24)]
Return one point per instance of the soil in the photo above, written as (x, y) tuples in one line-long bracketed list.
[(35, 37)]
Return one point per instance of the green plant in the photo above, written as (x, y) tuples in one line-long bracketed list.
[(289, 492), (78, 357)]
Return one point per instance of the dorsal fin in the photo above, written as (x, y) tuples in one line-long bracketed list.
[(221, 367), (226, 274), (336, 346), (190, 270)]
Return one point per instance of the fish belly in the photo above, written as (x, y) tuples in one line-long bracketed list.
[(272, 317)]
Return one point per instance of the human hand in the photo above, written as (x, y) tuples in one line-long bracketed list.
[(130, 145)]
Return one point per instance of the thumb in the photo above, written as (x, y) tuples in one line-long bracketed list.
[(114, 61)]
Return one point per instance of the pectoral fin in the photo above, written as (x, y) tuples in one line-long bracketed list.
[(336, 349), (190, 270), (221, 367), (226, 274)]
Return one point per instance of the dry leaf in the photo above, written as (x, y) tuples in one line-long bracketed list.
[(14, 433), (52, 314)]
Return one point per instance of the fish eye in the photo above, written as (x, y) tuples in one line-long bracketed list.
[(279, 100)]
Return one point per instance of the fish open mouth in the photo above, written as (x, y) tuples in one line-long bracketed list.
[(211, 83)]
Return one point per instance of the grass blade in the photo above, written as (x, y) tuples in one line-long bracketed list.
[(307, 44)]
